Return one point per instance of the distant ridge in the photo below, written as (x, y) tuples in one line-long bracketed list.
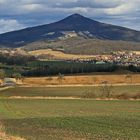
[(80, 25)]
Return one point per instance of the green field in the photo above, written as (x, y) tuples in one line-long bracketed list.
[(71, 119), (79, 119), (82, 91)]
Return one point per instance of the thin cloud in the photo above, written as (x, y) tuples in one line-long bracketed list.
[(10, 25)]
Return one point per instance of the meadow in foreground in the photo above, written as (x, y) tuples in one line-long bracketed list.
[(71, 119), (121, 92)]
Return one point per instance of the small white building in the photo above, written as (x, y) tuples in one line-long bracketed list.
[(9, 82)]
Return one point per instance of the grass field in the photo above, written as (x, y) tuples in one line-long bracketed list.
[(71, 119), (60, 55), (79, 119), (81, 92)]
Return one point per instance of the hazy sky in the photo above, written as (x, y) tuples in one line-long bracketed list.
[(18, 14)]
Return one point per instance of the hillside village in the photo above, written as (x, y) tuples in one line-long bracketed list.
[(123, 58), (119, 58)]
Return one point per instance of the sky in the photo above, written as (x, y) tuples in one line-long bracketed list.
[(18, 14)]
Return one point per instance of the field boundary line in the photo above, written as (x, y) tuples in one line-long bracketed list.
[(5, 88), (76, 85), (68, 98)]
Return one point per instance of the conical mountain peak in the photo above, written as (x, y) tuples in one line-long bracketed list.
[(76, 18)]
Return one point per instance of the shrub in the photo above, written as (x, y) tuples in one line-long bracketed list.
[(89, 94)]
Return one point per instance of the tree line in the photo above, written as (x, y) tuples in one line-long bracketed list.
[(16, 59), (63, 67), (17, 66)]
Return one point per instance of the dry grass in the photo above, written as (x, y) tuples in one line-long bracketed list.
[(137, 52), (60, 55), (84, 80), (126, 96), (4, 136), (79, 45)]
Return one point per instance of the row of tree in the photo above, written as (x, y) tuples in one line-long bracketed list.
[(46, 68), (16, 59), (14, 75), (54, 68)]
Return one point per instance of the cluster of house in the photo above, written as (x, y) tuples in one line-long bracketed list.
[(118, 58), (126, 58), (13, 52)]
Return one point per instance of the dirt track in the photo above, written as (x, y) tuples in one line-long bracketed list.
[(67, 98), (75, 85), (5, 88), (4, 136)]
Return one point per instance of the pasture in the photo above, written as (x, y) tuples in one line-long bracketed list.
[(64, 119), (126, 91), (70, 119), (60, 55)]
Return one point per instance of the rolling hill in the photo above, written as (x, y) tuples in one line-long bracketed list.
[(86, 46), (72, 26)]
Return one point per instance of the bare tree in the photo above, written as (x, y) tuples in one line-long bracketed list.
[(94, 80), (106, 89), (49, 78), (60, 78), (128, 78)]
